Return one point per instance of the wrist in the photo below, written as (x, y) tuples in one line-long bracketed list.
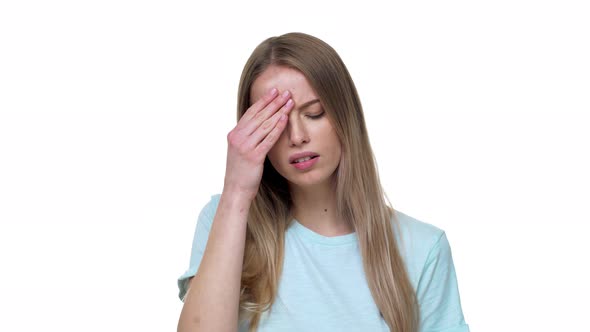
[(237, 196)]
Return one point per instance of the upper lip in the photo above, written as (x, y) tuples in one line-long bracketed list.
[(304, 154)]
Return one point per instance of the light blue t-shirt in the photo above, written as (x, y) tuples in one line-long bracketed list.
[(323, 285)]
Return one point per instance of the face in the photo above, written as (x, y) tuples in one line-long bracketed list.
[(308, 129)]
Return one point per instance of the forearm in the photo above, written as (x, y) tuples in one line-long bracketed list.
[(212, 301)]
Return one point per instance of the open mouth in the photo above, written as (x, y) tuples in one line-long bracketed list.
[(300, 160)]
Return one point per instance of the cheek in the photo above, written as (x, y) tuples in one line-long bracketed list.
[(275, 152), (334, 143), (273, 156), (330, 137)]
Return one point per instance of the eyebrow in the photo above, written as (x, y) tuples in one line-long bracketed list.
[(309, 103)]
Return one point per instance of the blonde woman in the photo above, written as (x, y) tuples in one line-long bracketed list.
[(301, 237)]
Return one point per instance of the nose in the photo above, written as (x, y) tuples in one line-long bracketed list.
[(296, 132)]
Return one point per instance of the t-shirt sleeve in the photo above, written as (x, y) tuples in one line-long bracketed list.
[(204, 222), (438, 292)]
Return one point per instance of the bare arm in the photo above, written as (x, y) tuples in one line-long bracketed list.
[(212, 300)]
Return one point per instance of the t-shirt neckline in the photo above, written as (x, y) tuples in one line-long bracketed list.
[(318, 238)]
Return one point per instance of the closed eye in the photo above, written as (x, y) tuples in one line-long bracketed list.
[(316, 116)]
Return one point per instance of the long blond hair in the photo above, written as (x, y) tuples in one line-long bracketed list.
[(361, 200)]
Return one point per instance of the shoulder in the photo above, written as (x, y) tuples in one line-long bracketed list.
[(416, 239), (209, 209), (417, 230), (213, 202)]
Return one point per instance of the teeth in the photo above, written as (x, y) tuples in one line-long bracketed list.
[(302, 159)]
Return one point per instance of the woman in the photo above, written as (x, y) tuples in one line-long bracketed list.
[(301, 237)]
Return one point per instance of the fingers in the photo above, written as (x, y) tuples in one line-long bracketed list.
[(271, 130), (250, 125), (258, 106)]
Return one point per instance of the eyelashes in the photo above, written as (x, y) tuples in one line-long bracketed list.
[(314, 117)]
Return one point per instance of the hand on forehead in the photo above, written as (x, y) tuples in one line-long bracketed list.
[(283, 79)]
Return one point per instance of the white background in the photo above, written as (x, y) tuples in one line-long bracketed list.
[(113, 124)]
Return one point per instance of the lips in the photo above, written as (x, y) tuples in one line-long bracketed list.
[(300, 155)]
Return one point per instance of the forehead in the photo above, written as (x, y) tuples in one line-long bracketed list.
[(282, 78)]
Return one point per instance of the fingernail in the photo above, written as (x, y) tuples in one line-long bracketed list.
[(286, 93), (273, 91)]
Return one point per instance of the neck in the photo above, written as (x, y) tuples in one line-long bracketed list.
[(315, 208)]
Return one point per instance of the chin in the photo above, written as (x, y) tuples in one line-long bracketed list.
[(309, 179)]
